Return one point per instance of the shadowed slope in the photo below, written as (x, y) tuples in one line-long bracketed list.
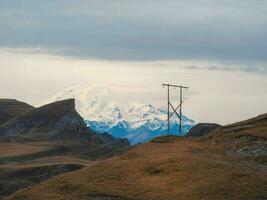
[(202, 129), (57, 120), (212, 167), (10, 108), (109, 139)]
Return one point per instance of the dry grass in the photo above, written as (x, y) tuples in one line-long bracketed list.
[(176, 169), (53, 160), (170, 168), (38, 161), (23, 165), (15, 149)]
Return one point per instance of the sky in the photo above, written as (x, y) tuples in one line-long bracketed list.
[(217, 48)]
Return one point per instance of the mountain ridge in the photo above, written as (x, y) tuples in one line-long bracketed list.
[(50, 119), (138, 122)]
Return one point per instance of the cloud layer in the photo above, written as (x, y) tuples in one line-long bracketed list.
[(139, 30), (213, 96)]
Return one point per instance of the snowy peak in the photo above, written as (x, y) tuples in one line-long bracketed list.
[(135, 121)]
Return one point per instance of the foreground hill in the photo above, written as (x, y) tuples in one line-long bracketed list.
[(10, 108), (47, 141), (228, 163)]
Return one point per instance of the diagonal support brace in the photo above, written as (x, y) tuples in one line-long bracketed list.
[(175, 110)]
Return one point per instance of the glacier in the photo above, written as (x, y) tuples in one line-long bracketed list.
[(136, 121)]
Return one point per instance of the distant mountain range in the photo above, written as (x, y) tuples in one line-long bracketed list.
[(138, 122)]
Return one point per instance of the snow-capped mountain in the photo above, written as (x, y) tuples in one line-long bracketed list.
[(135, 121)]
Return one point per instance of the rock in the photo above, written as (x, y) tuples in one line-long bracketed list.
[(58, 120), (202, 129)]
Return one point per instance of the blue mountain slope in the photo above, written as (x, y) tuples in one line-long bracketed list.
[(141, 134)]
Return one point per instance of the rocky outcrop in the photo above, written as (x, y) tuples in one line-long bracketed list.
[(202, 129), (58, 120), (10, 108)]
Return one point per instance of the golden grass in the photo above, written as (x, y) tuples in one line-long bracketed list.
[(170, 168), (15, 149), (53, 160), (177, 169)]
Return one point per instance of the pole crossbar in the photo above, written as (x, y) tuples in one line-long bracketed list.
[(176, 86), (181, 87)]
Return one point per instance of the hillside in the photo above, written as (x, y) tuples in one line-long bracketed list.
[(202, 129), (58, 120), (10, 108), (228, 163), (47, 141)]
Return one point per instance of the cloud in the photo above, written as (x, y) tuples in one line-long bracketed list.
[(216, 96), (139, 30)]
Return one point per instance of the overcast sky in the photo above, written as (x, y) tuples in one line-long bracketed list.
[(218, 45), (141, 29)]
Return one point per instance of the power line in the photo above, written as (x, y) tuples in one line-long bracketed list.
[(179, 115)]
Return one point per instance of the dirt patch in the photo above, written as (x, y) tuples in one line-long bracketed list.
[(96, 196)]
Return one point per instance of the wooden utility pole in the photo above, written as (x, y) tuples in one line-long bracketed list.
[(179, 115)]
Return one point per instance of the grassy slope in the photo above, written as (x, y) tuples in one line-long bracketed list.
[(26, 164), (31, 156), (14, 149), (175, 169), (222, 165)]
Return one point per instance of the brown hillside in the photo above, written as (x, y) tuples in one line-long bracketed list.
[(48, 141), (229, 163)]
